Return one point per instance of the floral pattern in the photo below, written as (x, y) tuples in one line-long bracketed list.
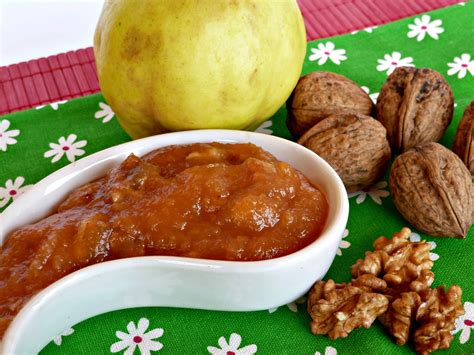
[(392, 61), (415, 237), (327, 51), (465, 323), (292, 306), (136, 336), (6, 136), (424, 26), (232, 347), (67, 146), (367, 29), (59, 339), (265, 127), (328, 351), (359, 61), (376, 192), (12, 190), (53, 105), (343, 244), (461, 66), (105, 113), (374, 96)]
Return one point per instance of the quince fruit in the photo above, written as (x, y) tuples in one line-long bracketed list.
[(173, 65)]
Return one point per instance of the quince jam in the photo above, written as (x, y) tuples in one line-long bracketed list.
[(211, 201)]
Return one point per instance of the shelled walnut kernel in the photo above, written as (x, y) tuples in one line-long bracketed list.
[(391, 283), (337, 309)]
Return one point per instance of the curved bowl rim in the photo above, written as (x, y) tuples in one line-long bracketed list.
[(108, 152), (328, 237)]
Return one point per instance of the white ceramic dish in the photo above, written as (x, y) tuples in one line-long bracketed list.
[(169, 281)]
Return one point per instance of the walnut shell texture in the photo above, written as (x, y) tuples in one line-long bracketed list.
[(354, 145), (321, 94), (415, 106), (464, 141), (432, 189)]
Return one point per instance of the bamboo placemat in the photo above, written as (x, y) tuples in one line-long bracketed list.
[(73, 74)]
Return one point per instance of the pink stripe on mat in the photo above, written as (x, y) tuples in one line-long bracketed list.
[(46, 80), (324, 18), (73, 74)]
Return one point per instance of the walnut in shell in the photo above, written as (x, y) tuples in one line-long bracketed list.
[(321, 94), (415, 106), (431, 188), (354, 145), (464, 140), (337, 309)]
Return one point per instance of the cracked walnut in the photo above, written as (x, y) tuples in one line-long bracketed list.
[(392, 283)]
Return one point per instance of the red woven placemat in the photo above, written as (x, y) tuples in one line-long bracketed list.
[(40, 81), (324, 18), (73, 74)]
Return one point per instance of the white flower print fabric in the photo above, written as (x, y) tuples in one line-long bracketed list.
[(292, 306), (53, 105), (69, 147), (6, 135), (465, 323), (265, 128), (58, 340), (327, 51), (138, 336), (105, 113), (391, 61), (423, 26), (376, 193), (12, 189), (343, 244), (232, 347), (461, 66)]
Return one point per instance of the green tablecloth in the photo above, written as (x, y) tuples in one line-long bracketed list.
[(32, 145)]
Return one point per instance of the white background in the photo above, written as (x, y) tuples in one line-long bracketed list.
[(30, 29)]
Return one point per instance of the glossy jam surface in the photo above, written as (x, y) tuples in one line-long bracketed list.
[(213, 201)]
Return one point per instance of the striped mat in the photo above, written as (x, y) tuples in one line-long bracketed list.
[(73, 74)]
